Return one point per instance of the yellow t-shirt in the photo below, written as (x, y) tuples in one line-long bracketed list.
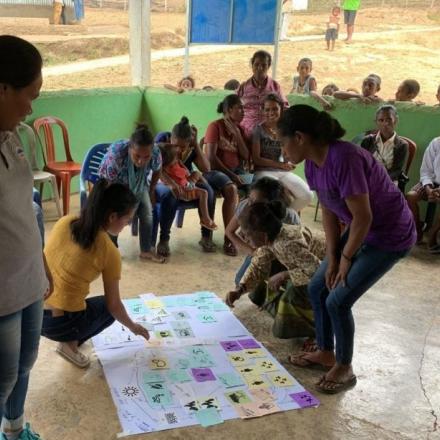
[(74, 268)]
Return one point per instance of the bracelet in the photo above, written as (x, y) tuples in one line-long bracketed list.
[(347, 258)]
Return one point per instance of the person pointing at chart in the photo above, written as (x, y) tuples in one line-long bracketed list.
[(78, 251)]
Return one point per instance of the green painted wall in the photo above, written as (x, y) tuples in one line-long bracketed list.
[(94, 116)]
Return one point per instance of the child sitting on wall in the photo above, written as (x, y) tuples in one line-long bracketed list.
[(329, 89), (407, 92), (370, 89), (305, 84), (174, 169), (185, 84)]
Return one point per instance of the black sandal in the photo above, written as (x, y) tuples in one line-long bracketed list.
[(229, 249), (207, 245), (163, 249)]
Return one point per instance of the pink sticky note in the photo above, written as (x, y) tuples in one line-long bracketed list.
[(231, 346), (202, 374), (249, 343), (305, 399)]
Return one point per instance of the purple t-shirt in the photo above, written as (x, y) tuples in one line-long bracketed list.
[(348, 171)]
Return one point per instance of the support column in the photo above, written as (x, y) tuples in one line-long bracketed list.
[(140, 42)]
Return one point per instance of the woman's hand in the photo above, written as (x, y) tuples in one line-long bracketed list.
[(287, 166), (331, 273), (277, 280), (238, 180), (195, 176), (140, 330), (232, 127), (231, 297), (176, 190), (341, 276)]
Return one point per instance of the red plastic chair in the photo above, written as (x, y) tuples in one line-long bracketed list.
[(64, 171)]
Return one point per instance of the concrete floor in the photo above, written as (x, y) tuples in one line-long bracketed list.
[(397, 356)]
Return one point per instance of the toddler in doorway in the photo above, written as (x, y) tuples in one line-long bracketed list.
[(175, 170), (331, 34)]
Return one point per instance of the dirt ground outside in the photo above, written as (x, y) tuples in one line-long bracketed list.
[(104, 33)]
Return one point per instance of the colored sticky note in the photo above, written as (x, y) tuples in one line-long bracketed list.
[(183, 363), (305, 399), (208, 417), (255, 353), (155, 303), (249, 343), (208, 402), (280, 379), (247, 410), (266, 366), (255, 381), (247, 370), (135, 306), (238, 397), (238, 359), (230, 345), (200, 357), (206, 318), (203, 374), (158, 395), (160, 313), (191, 406), (158, 363), (152, 377), (230, 380), (220, 307), (179, 376), (262, 394), (205, 295)]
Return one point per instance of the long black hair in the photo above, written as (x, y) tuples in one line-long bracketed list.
[(263, 217), (104, 199), (182, 130), (20, 62), (227, 103), (320, 126), (142, 136), (272, 189)]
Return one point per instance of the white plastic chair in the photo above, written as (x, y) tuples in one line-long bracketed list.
[(40, 177)]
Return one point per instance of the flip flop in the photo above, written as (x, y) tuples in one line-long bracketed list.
[(211, 226), (309, 346), (306, 363), (339, 386), (207, 246), (160, 259), (229, 249)]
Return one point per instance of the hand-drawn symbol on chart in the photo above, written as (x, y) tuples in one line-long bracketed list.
[(238, 358), (266, 364), (209, 403), (280, 379), (257, 382), (157, 398), (246, 370), (159, 363), (183, 332), (171, 418), (156, 386), (192, 406), (165, 334), (130, 391)]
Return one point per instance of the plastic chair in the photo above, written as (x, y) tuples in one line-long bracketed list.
[(40, 177), (412, 148), (64, 171), (89, 170)]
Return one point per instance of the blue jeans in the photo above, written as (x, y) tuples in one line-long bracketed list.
[(332, 309), (78, 326), (169, 205), (243, 268), (40, 220), (144, 212), (19, 340)]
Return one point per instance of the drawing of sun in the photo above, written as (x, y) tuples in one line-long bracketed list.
[(130, 391)]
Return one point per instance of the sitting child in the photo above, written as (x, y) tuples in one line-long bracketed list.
[(185, 84), (305, 84), (388, 149), (427, 189), (232, 84), (299, 253), (370, 88), (174, 169), (329, 89), (331, 34), (407, 90)]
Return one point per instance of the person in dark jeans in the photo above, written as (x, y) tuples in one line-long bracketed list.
[(185, 136)]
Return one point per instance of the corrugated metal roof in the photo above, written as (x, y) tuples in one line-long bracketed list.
[(33, 2)]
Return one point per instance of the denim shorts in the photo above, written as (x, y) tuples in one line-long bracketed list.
[(217, 180), (349, 17), (331, 34)]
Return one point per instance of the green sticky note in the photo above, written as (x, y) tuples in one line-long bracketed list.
[(179, 376), (208, 417), (230, 380), (152, 376)]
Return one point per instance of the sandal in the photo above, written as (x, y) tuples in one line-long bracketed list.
[(211, 225), (229, 249), (301, 361), (163, 249), (153, 257), (207, 245), (338, 386), (76, 357)]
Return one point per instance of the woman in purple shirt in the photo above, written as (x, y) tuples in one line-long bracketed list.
[(354, 189)]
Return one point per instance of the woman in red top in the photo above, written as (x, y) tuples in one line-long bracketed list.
[(227, 151)]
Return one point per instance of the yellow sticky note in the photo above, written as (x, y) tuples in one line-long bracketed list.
[(159, 363), (255, 381), (255, 353), (280, 379), (265, 366), (154, 303), (238, 359)]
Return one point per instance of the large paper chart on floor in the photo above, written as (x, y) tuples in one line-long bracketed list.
[(201, 367)]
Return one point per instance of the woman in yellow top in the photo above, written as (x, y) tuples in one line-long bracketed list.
[(78, 251)]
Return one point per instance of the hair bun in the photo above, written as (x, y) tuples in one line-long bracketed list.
[(184, 120)]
